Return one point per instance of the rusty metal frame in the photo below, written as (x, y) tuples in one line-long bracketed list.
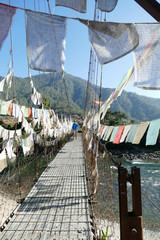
[(131, 226)]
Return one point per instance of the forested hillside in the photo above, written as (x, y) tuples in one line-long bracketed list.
[(51, 86)]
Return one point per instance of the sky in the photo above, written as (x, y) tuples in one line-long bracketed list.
[(77, 42)]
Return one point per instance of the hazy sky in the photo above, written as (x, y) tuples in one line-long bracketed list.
[(77, 43)]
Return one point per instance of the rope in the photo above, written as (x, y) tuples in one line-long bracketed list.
[(100, 90), (28, 63), (87, 90)]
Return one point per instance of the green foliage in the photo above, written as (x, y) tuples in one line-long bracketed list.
[(115, 118), (104, 236), (46, 103), (38, 128)]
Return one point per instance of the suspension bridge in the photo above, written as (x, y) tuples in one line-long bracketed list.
[(57, 206)]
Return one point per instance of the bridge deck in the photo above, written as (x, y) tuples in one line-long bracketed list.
[(57, 206)]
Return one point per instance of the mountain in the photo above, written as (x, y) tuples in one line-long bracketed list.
[(52, 87)]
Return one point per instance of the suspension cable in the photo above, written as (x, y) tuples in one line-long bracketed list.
[(150, 201)]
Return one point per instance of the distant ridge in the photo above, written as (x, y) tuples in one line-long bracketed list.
[(51, 86)]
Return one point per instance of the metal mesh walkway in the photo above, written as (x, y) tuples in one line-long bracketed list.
[(57, 206)]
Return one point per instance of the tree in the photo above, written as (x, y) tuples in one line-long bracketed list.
[(115, 118), (46, 103)]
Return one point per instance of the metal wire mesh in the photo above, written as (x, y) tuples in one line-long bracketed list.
[(57, 205), (17, 180), (104, 202)]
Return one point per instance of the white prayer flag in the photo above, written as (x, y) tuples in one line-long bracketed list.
[(2, 84), (146, 56), (36, 97), (107, 5), (110, 40), (45, 36), (6, 14), (9, 79), (78, 5), (3, 160)]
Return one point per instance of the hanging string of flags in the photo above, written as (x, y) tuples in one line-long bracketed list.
[(132, 133), (50, 128), (141, 39), (107, 40)]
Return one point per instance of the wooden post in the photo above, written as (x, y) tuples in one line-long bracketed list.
[(130, 222), (123, 206)]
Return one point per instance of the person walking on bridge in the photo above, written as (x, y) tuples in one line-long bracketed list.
[(75, 128)]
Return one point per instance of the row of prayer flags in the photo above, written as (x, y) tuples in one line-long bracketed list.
[(109, 40), (12, 109), (127, 78), (131, 133)]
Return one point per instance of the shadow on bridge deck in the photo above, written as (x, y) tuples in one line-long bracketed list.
[(57, 206)]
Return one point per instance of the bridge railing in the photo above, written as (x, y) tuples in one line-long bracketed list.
[(20, 175), (109, 203)]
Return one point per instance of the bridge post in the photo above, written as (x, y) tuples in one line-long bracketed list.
[(130, 222)]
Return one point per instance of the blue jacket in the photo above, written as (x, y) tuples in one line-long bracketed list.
[(75, 126)]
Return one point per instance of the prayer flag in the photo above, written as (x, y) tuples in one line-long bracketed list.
[(115, 129), (2, 84), (125, 132), (78, 5), (108, 133), (146, 56), (107, 5), (29, 112), (9, 112), (3, 160), (105, 133), (153, 132), (101, 130), (140, 132), (6, 14), (52, 112), (35, 113), (4, 107), (26, 112), (45, 36), (118, 135), (110, 40), (132, 133)]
